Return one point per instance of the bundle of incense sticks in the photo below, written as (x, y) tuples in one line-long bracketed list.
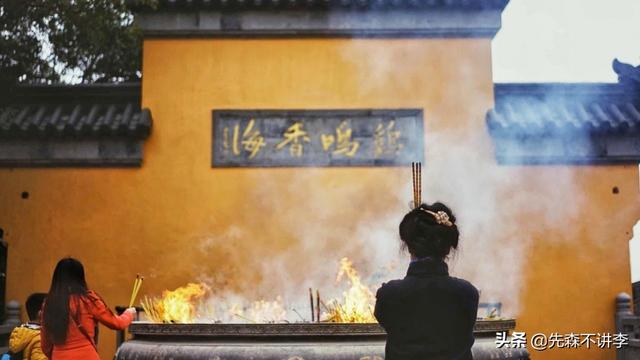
[(315, 310), (151, 310), (137, 284), (416, 170)]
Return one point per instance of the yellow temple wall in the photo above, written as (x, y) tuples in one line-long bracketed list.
[(171, 218)]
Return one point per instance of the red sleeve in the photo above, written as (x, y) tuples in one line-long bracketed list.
[(104, 315)]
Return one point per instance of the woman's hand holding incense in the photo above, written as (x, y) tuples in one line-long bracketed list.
[(131, 310)]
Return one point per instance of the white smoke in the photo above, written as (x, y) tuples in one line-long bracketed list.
[(301, 234)]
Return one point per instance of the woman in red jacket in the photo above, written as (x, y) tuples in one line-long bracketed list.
[(71, 314)]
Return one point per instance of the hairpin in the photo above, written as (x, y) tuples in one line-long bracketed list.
[(441, 217)]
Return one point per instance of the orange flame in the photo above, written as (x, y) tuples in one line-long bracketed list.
[(358, 301), (181, 305), (175, 306)]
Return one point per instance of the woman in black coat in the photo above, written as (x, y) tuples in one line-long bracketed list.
[(428, 315)]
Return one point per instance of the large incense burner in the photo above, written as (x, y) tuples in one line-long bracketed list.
[(295, 341)]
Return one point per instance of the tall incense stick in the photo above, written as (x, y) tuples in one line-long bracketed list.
[(133, 291), (419, 184), (317, 305), (413, 182), (311, 300), (416, 176)]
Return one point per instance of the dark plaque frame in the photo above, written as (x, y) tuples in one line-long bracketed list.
[(409, 124)]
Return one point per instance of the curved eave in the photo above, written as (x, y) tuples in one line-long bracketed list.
[(270, 5), (75, 112), (320, 18)]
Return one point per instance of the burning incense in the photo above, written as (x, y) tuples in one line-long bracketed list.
[(137, 284), (297, 313), (358, 300), (413, 182), (326, 308), (177, 306), (311, 301), (243, 317), (416, 175), (150, 310), (419, 184)]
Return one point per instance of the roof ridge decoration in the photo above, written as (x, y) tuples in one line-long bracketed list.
[(319, 18), (627, 74)]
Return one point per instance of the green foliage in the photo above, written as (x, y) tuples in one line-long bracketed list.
[(68, 40)]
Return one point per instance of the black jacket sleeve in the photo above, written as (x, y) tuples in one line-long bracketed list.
[(380, 310)]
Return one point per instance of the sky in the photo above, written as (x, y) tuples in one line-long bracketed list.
[(566, 40)]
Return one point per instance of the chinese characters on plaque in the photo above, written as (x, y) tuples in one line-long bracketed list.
[(274, 138)]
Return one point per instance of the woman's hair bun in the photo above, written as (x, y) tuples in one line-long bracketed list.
[(427, 232)]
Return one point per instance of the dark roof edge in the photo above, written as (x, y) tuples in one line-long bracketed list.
[(444, 22), (310, 34), (576, 88), (129, 91), (107, 88), (628, 85), (325, 5)]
